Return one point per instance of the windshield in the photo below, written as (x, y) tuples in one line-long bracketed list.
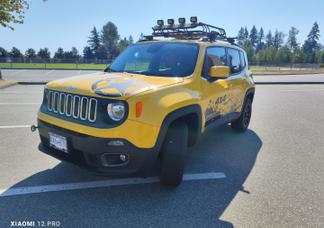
[(158, 59)]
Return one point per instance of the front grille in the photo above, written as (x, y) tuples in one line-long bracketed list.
[(73, 106)]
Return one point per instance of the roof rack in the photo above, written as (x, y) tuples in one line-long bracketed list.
[(189, 31)]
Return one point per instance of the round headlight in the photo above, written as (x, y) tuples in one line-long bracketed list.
[(116, 111)]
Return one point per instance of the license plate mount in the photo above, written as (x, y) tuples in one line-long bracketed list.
[(58, 142)]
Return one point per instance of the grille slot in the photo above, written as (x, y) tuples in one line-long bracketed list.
[(78, 107)]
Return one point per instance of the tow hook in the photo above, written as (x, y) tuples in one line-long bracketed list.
[(33, 128)]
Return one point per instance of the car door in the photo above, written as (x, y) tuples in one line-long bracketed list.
[(237, 66), (215, 92)]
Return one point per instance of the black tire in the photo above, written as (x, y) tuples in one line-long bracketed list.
[(242, 123), (173, 154)]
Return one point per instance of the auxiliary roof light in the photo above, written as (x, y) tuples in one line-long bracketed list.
[(182, 21), (160, 23), (171, 22), (193, 20)]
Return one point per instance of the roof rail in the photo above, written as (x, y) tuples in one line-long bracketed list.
[(189, 31)]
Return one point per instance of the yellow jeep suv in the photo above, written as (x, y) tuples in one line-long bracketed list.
[(150, 104)]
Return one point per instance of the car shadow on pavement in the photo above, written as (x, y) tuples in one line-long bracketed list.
[(199, 203)]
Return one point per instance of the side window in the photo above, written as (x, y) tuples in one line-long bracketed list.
[(243, 60), (215, 56), (234, 61)]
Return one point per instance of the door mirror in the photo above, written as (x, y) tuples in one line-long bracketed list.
[(219, 71)]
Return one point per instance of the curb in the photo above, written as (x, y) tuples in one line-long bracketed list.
[(7, 83)]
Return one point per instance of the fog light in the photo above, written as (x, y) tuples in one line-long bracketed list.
[(123, 157)]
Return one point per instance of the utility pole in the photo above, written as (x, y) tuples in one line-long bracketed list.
[(0, 74)]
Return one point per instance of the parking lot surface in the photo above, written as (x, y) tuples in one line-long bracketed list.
[(269, 176)]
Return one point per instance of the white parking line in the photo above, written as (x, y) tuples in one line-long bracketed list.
[(15, 126), (104, 183)]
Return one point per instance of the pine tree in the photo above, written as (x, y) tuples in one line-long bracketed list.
[(94, 39), (241, 36), (260, 44), (88, 53), (254, 36), (311, 44), (130, 40), (269, 39), (292, 39), (246, 33), (109, 38), (278, 39)]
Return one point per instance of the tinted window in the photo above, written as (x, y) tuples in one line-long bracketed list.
[(234, 60), (243, 62), (158, 59), (215, 56)]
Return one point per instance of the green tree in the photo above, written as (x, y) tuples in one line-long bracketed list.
[(88, 53), (269, 39), (109, 38), (12, 12), (292, 39), (278, 39), (75, 53), (298, 56), (246, 33), (94, 39), (254, 36), (44, 53), (15, 53), (283, 55), (101, 53), (30, 53), (311, 44), (248, 47), (241, 36), (260, 43), (59, 54), (123, 44), (130, 40), (3, 53)]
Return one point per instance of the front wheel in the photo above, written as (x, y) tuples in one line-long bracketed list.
[(173, 154), (242, 123)]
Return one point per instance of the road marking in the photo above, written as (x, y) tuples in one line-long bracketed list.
[(15, 126), (48, 72), (20, 103), (105, 183)]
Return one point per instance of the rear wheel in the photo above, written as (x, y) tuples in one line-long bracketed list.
[(242, 123), (173, 154)]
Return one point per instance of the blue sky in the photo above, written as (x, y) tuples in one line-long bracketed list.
[(62, 23)]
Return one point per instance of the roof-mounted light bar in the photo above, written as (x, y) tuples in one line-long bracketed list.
[(193, 20), (192, 30)]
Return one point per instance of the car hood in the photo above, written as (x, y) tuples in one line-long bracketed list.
[(121, 85)]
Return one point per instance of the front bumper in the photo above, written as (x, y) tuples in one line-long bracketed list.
[(90, 152)]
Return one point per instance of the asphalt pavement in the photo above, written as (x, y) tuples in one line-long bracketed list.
[(273, 173)]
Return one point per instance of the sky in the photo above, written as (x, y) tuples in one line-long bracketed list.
[(62, 23)]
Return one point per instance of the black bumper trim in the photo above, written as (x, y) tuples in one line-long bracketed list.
[(85, 151)]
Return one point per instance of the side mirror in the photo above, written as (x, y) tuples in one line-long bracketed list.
[(219, 72)]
